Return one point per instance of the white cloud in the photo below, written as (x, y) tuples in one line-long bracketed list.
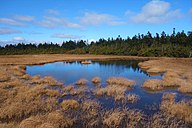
[(53, 12), (18, 39), (25, 41), (53, 22), (10, 22), (24, 18), (4, 31), (92, 18), (156, 12), (66, 36)]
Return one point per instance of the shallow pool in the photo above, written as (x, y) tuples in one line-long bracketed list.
[(70, 72)]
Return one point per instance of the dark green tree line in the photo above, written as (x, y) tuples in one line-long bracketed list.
[(175, 45)]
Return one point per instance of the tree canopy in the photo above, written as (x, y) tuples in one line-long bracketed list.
[(175, 45)]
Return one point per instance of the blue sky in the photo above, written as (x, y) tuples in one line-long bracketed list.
[(59, 20)]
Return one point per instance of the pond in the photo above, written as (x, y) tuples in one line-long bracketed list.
[(70, 72)]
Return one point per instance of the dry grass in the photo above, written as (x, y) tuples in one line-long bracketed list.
[(124, 118), (113, 118), (153, 84), (85, 62), (67, 89), (70, 104), (4, 77), (54, 119), (96, 80), (27, 101), (19, 99), (47, 81), (81, 82), (178, 73), (92, 114), (120, 81), (118, 93), (9, 125), (47, 58), (52, 93), (80, 91), (133, 98), (181, 110), (170, 79), (165, 120)]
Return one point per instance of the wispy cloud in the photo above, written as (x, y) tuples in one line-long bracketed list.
[(66, 36), (24, 18), (156, 12), (10, 22), (34, 33), (55, 22), (92, 18), (53, 12), (19, 39), (4, 31)]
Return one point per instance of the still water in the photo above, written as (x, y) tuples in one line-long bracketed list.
[(70, 72)]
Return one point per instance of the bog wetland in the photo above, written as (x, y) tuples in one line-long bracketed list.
[(112, 91), (69, 72)]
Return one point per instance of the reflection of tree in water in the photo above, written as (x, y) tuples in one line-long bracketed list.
[(119, 65)]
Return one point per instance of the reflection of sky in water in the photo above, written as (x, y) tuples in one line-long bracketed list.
[(71, 72)]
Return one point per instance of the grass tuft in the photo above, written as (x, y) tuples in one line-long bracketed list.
[(120, 81), (81, 82), (96, 80), (70, 104), (133, 98)]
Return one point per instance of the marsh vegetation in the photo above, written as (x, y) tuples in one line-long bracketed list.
[(42, 101)]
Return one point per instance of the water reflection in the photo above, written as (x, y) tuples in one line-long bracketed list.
[(71, 71)]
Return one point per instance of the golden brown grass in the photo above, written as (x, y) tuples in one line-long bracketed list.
[(47, 81), (67, 89), (52, 93), (116, 88), (92, 114), (70, 104), (53, 119), (133, 98), (9, 125), (47, 58), (170, 79), (80, 91), (153, 84), (27, 101), (113, 118), (20, 99), (120, 81), (118, 93), (96, 80), (123, 118), (81, 82), (181, 110), (178, 73), (85, 62)]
